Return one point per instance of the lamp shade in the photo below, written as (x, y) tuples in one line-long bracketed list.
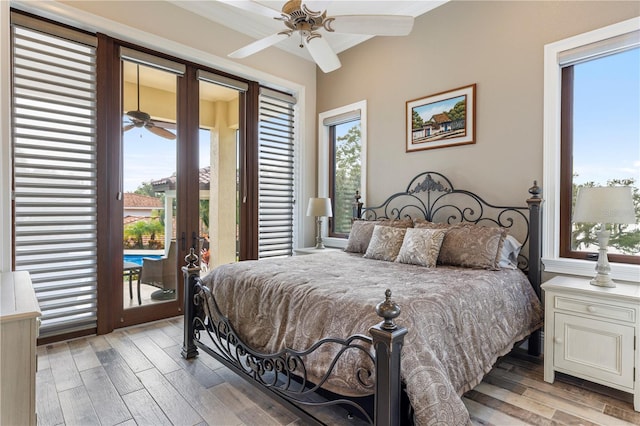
[(606, 204), (319, 207)]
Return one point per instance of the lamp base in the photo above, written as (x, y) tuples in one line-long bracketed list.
[(319, 243), (602, 280)]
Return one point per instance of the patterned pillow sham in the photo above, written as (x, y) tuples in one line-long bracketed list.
[(469, 245), (385, 243), (421, 246), (361, 231)]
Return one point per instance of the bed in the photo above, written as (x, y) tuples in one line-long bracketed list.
[(395, 342)]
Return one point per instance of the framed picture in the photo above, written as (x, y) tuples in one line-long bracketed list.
[(443, 119)]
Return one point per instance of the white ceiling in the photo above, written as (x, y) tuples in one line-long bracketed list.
[(258, 26)]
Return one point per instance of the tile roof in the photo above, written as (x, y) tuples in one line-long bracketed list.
[(441, 118), (162, 184), (132, 200)]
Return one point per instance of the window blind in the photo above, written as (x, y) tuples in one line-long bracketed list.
[(599, 49), (54, 173), (276, 167)]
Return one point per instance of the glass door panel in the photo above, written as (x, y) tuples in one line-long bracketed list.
[(149, 182), (219, 175)]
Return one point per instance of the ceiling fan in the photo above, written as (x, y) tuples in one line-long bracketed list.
[(299, 17), (142, 119)]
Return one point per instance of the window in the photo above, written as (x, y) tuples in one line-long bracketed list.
[(592, 84), (342, 165), (344, 173)]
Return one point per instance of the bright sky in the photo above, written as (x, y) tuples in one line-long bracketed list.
[(148, 157), (607, 118)]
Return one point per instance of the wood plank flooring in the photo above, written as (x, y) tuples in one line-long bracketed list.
[(136, 376)]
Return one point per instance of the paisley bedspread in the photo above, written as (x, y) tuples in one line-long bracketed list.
[(459, 320)]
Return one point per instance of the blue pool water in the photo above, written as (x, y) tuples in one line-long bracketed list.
[(137, 258)]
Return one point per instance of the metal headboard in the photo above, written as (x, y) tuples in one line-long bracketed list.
[(431, 196)]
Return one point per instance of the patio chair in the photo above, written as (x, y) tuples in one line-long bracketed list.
[(161, 273)]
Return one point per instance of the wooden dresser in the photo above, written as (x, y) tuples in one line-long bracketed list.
[(19, 318)]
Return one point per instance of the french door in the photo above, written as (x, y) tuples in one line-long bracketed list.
[(179, 178)]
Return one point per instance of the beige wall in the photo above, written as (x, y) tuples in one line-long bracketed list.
[(496, 45)]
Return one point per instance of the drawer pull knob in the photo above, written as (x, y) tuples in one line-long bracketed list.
[(557, 340), (591, 309)]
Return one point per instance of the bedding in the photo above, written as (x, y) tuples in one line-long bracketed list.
[(460, 320)]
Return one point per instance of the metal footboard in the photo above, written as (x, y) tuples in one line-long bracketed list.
[(283, 375)]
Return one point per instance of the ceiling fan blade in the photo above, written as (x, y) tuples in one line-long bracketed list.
[(258, 45), (383, 25), (322, 54), (317, 5), (159, 131), (251, 6), (128, 127)]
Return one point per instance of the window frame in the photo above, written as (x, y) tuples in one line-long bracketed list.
[(553, 258), (325, 160)]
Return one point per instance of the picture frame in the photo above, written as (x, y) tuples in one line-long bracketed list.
[(442, 119)]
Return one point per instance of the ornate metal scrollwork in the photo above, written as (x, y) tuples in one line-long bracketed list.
[(431, 196), (283, 372)]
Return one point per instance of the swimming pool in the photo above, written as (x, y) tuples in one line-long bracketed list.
[(137, 258)]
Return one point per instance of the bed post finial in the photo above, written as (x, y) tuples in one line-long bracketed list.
[(191, 259), (389, 310), (535, 190), (357, 206)]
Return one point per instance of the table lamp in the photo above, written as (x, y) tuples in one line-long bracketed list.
[(319, 207), (604, 205)]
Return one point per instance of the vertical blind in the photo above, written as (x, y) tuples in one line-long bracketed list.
[(276, 167), (54, 171)]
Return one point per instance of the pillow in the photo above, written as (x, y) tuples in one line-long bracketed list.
[(421, 246), (424, 223), (509, 253), (361, 231), (473, 246), (469, 245), (385, 243)]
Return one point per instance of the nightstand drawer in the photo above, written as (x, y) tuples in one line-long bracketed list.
[(619, 313)]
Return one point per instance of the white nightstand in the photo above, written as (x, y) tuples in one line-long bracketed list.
[(592, 333), (313, 250)]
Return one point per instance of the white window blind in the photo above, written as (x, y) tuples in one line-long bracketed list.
[(54, 172), (276, 166)]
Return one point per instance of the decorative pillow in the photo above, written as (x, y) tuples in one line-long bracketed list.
[(361, 231), (424, 223), (509, 253), (385, 243), (472, 246), (421, 246)]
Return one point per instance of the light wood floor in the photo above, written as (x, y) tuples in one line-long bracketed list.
[(137, 376)]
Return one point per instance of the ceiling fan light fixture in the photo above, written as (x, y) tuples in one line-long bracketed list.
[(298, 17), (141, 119)]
